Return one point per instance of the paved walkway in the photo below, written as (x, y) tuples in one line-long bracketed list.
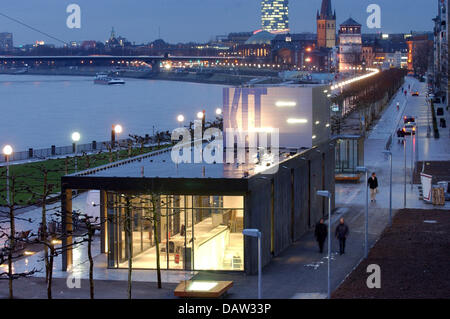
[(300, 271)]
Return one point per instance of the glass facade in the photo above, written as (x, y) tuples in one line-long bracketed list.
[(275, 15), (190, 232), (349, 155)]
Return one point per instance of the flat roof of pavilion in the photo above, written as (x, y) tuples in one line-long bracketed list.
[(159, 164)]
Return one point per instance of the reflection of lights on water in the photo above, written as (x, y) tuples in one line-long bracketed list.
[(77, 254)]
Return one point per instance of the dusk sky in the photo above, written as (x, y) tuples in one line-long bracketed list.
[(194, 20)]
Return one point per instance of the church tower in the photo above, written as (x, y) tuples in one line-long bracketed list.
[(326, 26)]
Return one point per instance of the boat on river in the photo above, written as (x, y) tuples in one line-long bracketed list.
[(105, 79)]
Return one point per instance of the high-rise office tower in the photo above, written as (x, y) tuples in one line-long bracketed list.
[(6, 41), (326, 26), (275, 16)]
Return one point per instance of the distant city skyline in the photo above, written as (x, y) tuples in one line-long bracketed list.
[(195, 20)]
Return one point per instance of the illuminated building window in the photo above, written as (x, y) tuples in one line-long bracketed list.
[(193, 232)]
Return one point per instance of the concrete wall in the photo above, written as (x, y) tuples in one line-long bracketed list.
[(321, 105), (296, 207)]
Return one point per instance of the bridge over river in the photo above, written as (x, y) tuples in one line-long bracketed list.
[(108, 60)]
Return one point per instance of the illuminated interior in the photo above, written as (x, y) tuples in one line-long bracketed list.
[(192, 232)]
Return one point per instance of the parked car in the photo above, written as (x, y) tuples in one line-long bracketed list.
[(409, 129)]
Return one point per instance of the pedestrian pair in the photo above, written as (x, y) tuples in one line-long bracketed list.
[(341, 234)]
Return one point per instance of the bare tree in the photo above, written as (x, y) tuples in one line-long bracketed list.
[(12, 237)]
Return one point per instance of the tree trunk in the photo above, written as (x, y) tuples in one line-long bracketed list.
[(91, 262), (129, 243), (44, 226), (12, 225), (50, 272), (155, 232)]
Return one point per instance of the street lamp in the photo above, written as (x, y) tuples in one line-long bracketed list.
[(202, 116), (256, 233), (404, 185), (218, 111), (366, 235), (390, 186), (75, 138), (7, 151), (414, 142), (117, 130), (327, 194), (180, 119)]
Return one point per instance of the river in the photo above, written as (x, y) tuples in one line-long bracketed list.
[(40, 111)]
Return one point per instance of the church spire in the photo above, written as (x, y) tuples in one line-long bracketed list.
[(326, 11)]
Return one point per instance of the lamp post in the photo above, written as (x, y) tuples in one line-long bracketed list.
[(404, 185), (75, 138), (219, 111), (202, 116), (257, 234), (117, 130), (390, 186), (327, 194), (414, 141), (7, 151), (366, 231)]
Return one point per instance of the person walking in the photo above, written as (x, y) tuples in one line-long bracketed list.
[(373, 185), (321, 234), (341, 234)]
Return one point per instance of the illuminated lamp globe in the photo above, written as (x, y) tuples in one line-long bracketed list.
[(118, 129), (76, 136), (7, 150)]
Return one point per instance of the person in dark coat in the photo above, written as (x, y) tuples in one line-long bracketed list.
[(341, 234), (321, 233), (373, 185)]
